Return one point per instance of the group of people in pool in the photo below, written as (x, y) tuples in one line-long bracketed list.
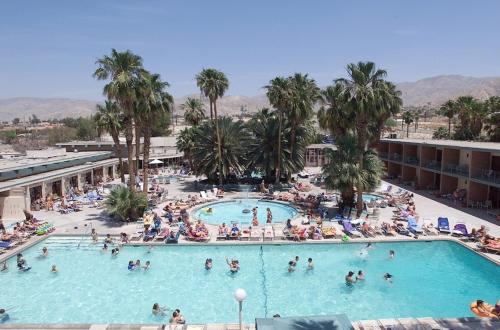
[(137, 265), (350, 278), (177, 317), (22, 264), (234, 264), (292, 264)]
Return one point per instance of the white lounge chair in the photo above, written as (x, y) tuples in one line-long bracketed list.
[(256, 234), (268, 233)]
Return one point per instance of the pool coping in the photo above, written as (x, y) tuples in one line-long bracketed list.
[(39, 239)]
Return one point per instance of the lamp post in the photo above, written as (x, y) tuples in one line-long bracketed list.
[(240, 295)]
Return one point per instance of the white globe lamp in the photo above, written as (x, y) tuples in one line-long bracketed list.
[(240, 295)]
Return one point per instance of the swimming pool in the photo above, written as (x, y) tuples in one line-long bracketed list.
[(228, 211), (437, 279)]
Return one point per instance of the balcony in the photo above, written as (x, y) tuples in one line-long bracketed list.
[(383, 155), (395, 156), (412, 161), (431, 164), (462, 170), (488, 176)]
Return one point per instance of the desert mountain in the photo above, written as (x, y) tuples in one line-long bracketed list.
[(435, 91)]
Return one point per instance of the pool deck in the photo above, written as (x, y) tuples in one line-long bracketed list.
[(427, 323)]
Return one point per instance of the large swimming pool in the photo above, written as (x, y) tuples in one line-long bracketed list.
[(437, 279), (227, 211)]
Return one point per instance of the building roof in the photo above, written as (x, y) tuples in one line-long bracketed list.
[(44, 158), (484, 146), (49, 176), (322, 146)]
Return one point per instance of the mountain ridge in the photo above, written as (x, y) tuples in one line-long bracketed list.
[(432, 90)]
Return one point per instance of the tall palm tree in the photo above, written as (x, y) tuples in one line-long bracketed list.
[(369, 96), (408, 120), (156, 101), (109, 118), (234, 140), (186, 144), (304, 94), (332, 115), (343, 173), (279, 95), (193, 111), (123, 69), (448, 109), (213, 84)]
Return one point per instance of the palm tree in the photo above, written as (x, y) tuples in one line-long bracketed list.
[(213, 84), (304, 94), (125, 203), (279, 94), (124, 70), (343, 173), (448, 110), (155, 102), (234, 140), (370, 97), (332, 115), (408, 120), (186, 143), (193, 111), (109, 119)]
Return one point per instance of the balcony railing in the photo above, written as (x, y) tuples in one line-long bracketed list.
[(383, 154), (486, 175), (431, 164), (395, 156), (462, 170), (412, 160)]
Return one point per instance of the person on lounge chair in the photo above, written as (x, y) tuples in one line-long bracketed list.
[(235, 231)]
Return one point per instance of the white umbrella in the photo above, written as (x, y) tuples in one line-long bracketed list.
[(155, 161)]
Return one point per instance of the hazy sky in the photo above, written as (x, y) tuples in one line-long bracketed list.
[(48, 48)]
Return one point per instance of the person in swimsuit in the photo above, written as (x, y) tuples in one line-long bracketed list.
[(5, 267), (94, 236), (291, 266), (234, 265), (310, 264), (54, 269), (147, 265), (269, 216), (131, 265), (391, 254), (208, 264), (158, 310), (388, 277), (361, 276), (45, 252), (349, 280)]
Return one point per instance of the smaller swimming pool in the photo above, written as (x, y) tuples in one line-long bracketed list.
[(240, 210), (370, 197)]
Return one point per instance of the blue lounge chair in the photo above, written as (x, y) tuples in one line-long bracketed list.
[(414, 227), (443, 225), (350, 230), (460, 229), (5, 245)]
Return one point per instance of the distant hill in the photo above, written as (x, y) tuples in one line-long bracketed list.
[(435, 91)]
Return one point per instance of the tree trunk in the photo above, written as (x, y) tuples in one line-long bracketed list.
[(402, 124), (361, 151), (449, 127), (219, 147), (211, 111), (118, 148), (407, 130), (293, 135), (145, 159), (129, 136), (137, 146), (277, 170)]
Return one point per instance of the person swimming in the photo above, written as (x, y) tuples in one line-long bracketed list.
[(234, 265), (3, 315), (360, 276), (147, 265), (137, 263), (310, 264), (158, 310), (104, 248), (349, 280), (115, 252), (208, 264), (54, 269), (291, 266), (45, 252), (131, 265), (391, 254), (177, 317), (5, 267), (388, 277)]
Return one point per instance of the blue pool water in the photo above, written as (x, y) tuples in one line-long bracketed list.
[(232, 211), (369, 197), (437, 279)]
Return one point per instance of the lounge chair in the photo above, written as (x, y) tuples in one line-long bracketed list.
[(443, 225), (268, 233), (400, 229), (256, 234), (5, 245), (460, 230), (350, 230), (211, 195), (328, 232), (245, 234), (190, 237), (162, 235), (136, 236), (488, 248), (429, 228), (414, 227)]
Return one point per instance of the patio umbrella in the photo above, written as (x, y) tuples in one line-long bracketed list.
[(155, 161)]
